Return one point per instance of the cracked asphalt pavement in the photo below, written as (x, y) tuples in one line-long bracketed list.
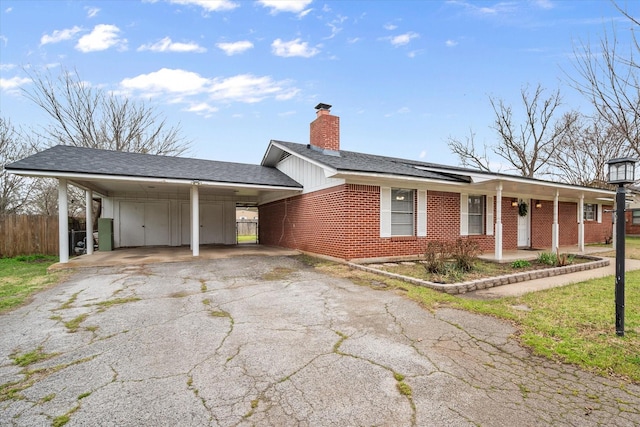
[(269, 341)]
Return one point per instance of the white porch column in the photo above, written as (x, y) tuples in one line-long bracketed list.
[(88, 195), (63, 221), (555, 228), (581, 224), (195, 220), (498, 231)]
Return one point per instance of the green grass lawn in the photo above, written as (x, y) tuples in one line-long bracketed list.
[(20, 277), (247, 238), (632, 248)]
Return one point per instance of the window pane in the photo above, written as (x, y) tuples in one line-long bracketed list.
[(402, 212), (589, 212), (476, 215), (475, 224), (636, 217), (475, 204)]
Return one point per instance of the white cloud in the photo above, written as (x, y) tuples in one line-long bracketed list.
[(202, 108), (13, 83), (4, 40), (403, 39), (8, 10), (293, 48), (390, 27), (92, 12), (294, 6), (209, 5), (7, 67), (102, 37), (166, 45), (423, 154), (451, 43), (60, 35), (235, 48), (181, 86), (250, 89), (167, 80)]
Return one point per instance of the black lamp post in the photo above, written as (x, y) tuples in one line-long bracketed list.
[(621, 172)]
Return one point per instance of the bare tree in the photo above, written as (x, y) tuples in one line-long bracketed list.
[(608, 77), (15, 190), (526, 147), (87, 116), (468, 153), (583, 151)]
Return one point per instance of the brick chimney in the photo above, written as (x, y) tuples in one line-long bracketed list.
[(325, 129)]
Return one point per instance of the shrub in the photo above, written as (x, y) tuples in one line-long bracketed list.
[(547, 258), (464, 252), (435, 255), (520, 263), (556, 260)]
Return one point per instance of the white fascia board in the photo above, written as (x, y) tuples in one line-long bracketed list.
[(328, 171), (480, 178), (136, 179), (387, 177)]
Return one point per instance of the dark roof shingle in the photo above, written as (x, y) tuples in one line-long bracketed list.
[(351, 161), (81, 160)]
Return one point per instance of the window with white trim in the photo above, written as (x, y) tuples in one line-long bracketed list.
[(476, 214), (590, 212), (635, 217), (402, 212)]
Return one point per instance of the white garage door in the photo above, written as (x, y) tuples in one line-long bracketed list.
[(144, 224)]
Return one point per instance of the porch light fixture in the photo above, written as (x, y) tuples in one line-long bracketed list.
[(621, 172), (514, 203), (538, 204)]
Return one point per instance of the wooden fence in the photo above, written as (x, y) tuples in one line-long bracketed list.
[(28, 235)]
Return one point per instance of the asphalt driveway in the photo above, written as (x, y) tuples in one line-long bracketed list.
[(267, 341)]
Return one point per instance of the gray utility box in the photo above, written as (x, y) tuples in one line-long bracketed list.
[(105, 234)]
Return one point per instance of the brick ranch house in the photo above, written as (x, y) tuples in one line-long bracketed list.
[(321, 199)]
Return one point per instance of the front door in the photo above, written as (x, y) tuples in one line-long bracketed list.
[(524, 229)]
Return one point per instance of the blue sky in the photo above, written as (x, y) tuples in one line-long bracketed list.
[(402, 75)]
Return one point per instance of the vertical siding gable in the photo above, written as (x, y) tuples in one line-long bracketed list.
[(311, 177)]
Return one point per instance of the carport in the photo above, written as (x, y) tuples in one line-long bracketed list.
[(156, 200)]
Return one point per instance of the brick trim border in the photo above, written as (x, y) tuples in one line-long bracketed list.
[(490, 282)]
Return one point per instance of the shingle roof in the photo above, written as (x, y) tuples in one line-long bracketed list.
[(350, 161), (68, 159)]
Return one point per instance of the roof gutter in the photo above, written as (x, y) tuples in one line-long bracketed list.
[(98, 177)]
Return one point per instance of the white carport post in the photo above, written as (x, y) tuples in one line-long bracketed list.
[(88, 196), (581, 224), (555, 228), (195, 219), (498, 236), (63, 221)]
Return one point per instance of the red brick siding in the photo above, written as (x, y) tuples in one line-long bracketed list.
[(596, 232), (542, 222), (509, 225), (344, 222), (630, 228)]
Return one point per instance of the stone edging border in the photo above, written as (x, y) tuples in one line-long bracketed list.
[(490, 282)]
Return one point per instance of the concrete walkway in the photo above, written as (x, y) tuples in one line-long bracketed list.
[(267, 341)]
